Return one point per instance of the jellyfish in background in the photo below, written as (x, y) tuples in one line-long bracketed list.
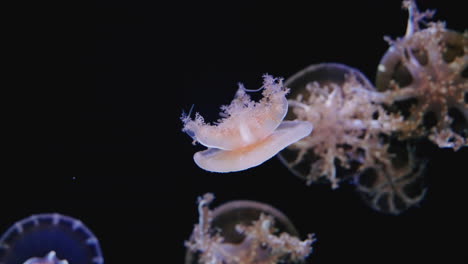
[(425, 75), (249, 133), (364, 134), (350, 142), (348, 119), (49, 239), (244, 232)]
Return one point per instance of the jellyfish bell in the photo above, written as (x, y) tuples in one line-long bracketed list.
[(250, 132), (323, 74), (219, 160), (232, 233), (394, 186), (49, 239), (228, 215), (333, 97)]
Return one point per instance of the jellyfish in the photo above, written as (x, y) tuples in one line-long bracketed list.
[(244, 232), (348, 123), (425, 72), (353, 139), (395, 184), (249, 132), (49, 239)]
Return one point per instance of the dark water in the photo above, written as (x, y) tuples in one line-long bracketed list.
[(97, 134)]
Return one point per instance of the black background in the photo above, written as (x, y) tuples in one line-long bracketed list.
[(100, 138)]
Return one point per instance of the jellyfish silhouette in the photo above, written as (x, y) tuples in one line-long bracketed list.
[(49, 239)]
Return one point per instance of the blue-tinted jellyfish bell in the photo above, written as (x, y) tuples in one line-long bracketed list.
[(249, 133), (244, 232), (49, 239)]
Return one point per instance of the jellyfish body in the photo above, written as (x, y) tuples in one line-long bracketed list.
[(49, 239), (244, 232), (353, 139), (251, 132), (426, 74), (342, 104)]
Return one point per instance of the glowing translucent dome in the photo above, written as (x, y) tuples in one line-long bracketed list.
[(49, 239)]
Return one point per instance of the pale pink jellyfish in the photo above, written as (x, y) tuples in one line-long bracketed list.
[(249, 133)]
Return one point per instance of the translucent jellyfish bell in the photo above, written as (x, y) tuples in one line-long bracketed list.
[(395, 185), (250, 132), (323, 74), (352, 138), (334, 97), (49, 239), (244, 232)]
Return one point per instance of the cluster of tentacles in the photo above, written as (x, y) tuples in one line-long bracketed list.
[(363, 132), (244, 232)]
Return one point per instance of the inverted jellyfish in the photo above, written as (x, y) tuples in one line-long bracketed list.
[(244, 232), (351, 138), (424, 77), (348, 122), (49, 239), (366, 134), (426, 73), (249, 132)]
